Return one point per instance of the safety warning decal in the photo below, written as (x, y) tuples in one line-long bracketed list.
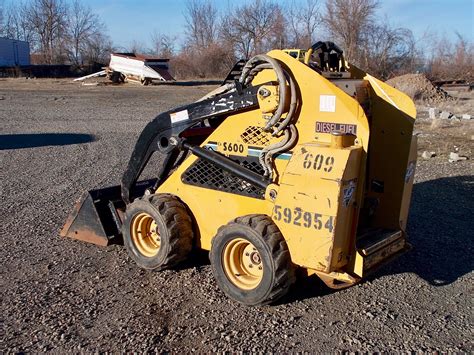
[(179, 116), (329, 127)]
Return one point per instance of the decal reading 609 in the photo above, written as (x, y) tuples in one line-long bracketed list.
[(318, 162), (300, 218)]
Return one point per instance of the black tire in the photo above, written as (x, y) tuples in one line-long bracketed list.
[(174, 226), (278, 270), (115, 77)]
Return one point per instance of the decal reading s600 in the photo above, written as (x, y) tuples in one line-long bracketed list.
[(300, 218), (329, 127), (229, 147)]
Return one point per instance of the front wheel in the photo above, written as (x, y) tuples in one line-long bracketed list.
[(157, 231), (251, 262)]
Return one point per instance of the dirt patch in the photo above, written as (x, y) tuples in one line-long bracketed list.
[(418, 87)]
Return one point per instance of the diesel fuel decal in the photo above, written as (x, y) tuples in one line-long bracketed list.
[(328, 127)]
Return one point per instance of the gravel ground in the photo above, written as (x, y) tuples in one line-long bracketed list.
[(64, 295)]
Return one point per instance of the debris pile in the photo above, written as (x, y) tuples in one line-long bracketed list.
[(455, 157), (435, 113), (419, 88), (428, 155)]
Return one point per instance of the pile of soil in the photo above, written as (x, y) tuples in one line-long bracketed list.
[(418, 87)]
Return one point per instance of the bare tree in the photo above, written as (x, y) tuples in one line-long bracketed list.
[(137, 47), (254, 28), (303, 20), (347, 21), (57, 31), (15, 24), (235, 36), (163, 45), (202, 55), (201, 23), (83, 25), (98, 49), (451, 60), (388, 51), (48, 19), (2, 17)]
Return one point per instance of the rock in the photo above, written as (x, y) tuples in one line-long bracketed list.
[(466, 117), (370, 315), (454, 157), (432, 113), (445, 115), (428, 155)]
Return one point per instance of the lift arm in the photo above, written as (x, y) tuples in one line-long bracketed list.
[(162, 134)]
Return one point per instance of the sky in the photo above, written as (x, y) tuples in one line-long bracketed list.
[(135, 20)]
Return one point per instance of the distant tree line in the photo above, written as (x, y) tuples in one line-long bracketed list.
[(58, 31), (68, 31), (214, 41)]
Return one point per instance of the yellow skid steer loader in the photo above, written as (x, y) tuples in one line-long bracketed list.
[(300, 163)]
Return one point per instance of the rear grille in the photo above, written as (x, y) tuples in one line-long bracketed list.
[(204, 174), (255, 135)]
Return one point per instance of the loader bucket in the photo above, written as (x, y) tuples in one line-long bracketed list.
[(98, 215)]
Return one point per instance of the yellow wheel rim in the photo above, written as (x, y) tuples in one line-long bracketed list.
[(145, 235), (242, 264)]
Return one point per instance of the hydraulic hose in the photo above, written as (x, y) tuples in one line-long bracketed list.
[(256, 62), (275, 124)]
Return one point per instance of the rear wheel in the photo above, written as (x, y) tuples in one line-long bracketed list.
[(157, 231), (251, 262)]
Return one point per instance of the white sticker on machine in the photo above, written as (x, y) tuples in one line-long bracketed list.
[(327, 103), (179, 116)]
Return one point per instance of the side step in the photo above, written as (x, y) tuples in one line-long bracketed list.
[(97, 216), (380, 246)]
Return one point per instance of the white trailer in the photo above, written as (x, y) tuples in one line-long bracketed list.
[(14, 53), (137, 67)]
